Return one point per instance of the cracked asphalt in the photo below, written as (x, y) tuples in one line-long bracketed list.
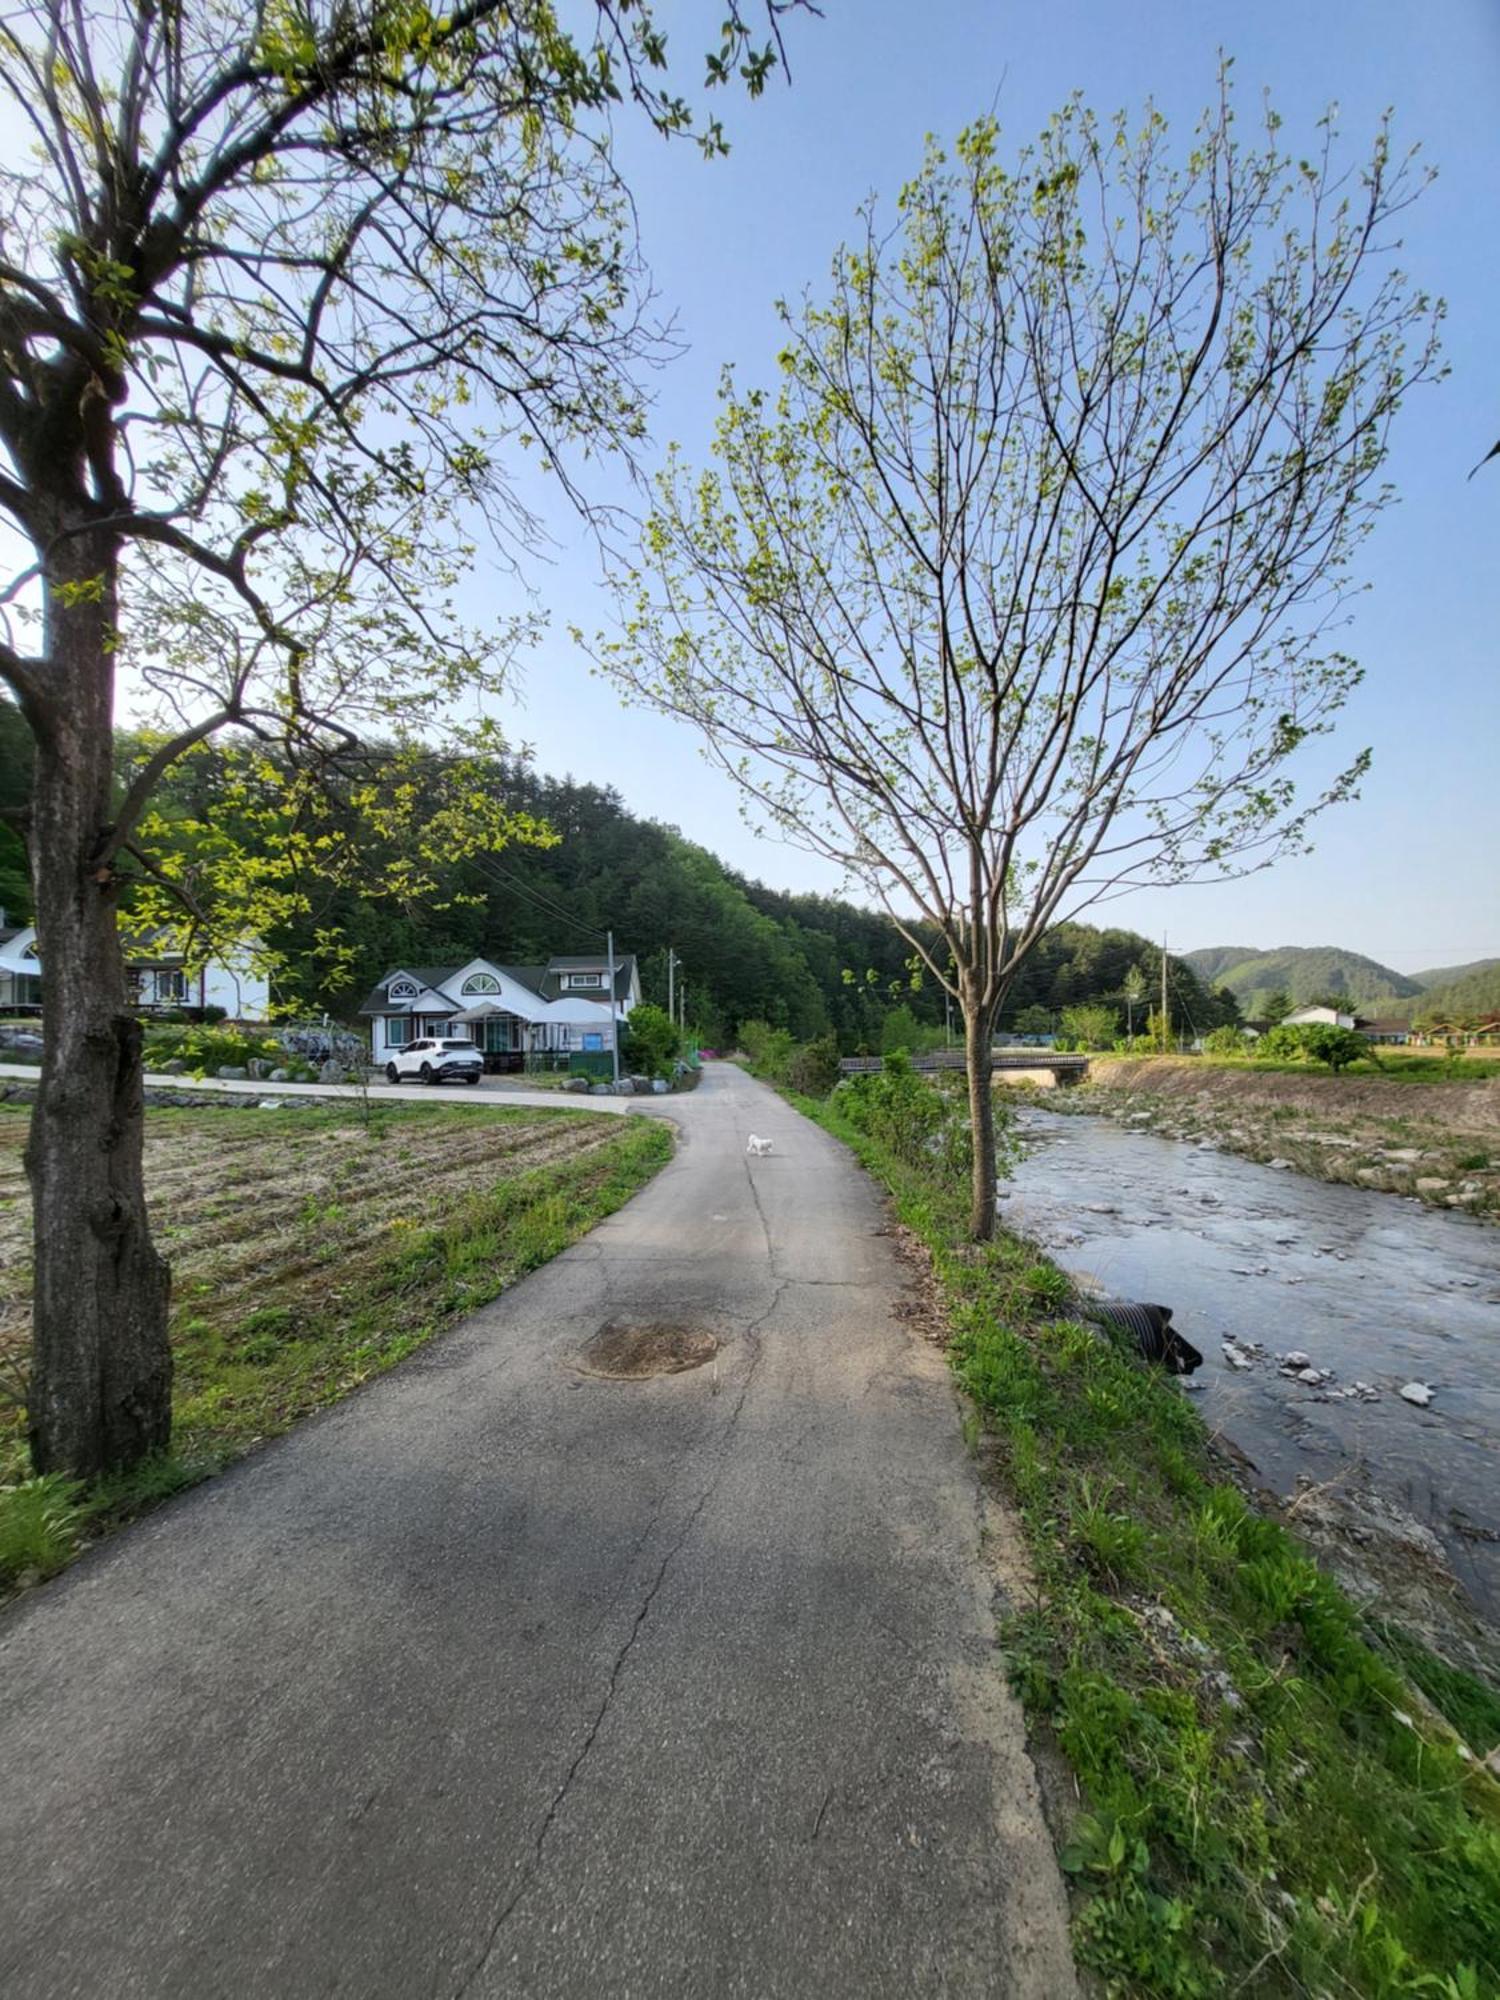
[(501, 1679)]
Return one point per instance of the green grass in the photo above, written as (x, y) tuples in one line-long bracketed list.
[(347, 1293), (1268, 1808)]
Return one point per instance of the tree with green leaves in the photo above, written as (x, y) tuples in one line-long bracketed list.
[(286, 293), (1018, 592), (1091, 1026), (1278, 1006), (653, 1040)]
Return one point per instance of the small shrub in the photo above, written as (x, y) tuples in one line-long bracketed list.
[(39, 1522), (896, 1107), (769, 1049), (814, 1068), (651, 1041)]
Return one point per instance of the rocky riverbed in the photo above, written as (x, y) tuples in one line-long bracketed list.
[(1436, 1142)]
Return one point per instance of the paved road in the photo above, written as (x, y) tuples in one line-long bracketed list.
[(505, 1680), (488, 1093)]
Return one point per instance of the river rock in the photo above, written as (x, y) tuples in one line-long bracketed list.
[(1297, 1359), (231, 1073), (1418, 1393), (1432, 1184), (330, 1072), (1236, 1355), (1281, 1166), (279, 1076), (259, 1068), (175, 1067), (271, 1103)]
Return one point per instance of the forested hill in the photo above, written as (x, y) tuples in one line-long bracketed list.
[(1303, 973), (813, 964), (1306, 973), (1474, 995)]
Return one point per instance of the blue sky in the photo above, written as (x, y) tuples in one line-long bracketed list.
[(1408, 873)]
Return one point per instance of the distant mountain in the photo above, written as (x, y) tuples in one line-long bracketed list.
[(1211, 962), (1449, 975), (1303, 973), (1475, 995)]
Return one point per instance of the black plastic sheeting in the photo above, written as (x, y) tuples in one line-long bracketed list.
[(1150, 1327)]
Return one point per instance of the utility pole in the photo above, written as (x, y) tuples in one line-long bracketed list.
[(614, 1018), (673, 961), (1166, 1016)]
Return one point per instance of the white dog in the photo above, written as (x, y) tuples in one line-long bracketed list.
[(758, 1147)]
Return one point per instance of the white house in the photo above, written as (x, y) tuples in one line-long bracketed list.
[(1307, 1017), (511, 1011), (156, 979)]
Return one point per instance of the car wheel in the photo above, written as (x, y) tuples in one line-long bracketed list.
[(392, 1074), (471, 1079), (427, 1072)]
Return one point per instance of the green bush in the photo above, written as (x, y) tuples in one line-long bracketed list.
[(769, 1049), (814, 1067), (651, 1041), (1315, 1041), (1225, 1042), (915, 1119), (204, 1049)]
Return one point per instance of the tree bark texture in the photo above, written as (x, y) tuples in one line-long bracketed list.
[(101, 1377), (979, 1023)]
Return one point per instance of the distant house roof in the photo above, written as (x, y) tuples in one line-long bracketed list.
[(1382, 1027)]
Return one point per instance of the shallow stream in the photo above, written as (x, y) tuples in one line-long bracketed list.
[(1369, 1285)]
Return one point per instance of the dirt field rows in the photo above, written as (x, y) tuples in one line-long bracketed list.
[(309, 1248)]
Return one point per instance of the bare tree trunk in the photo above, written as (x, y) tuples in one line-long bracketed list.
[(978, 1032), (101, 1375)]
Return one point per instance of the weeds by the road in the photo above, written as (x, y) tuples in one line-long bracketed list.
[(311, 1252), (1274, 1805)]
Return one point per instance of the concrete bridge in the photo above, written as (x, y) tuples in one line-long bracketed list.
[(1047, 1067)]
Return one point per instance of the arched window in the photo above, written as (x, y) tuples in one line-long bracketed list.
[(402, 989), (481, 982)]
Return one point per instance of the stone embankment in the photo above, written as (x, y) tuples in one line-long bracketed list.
[(1436, 1142)]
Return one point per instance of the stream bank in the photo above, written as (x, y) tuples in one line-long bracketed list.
[(1436, 1142)]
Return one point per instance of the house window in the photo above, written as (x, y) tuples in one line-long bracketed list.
[(402, 989), (482, 982), (397, 1031), (171, 986), (585, 979)]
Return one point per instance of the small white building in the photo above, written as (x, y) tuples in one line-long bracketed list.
[(1328, 1017), (511, 1011), (155, 979)]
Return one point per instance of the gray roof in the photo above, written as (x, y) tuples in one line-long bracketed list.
[(543, 980)]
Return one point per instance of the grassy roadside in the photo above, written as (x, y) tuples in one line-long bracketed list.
[(1271, 1806), (308, 1258)]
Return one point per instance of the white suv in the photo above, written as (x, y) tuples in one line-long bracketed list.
[(436, 1060)]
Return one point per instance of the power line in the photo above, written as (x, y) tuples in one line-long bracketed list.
[(542, 902)]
